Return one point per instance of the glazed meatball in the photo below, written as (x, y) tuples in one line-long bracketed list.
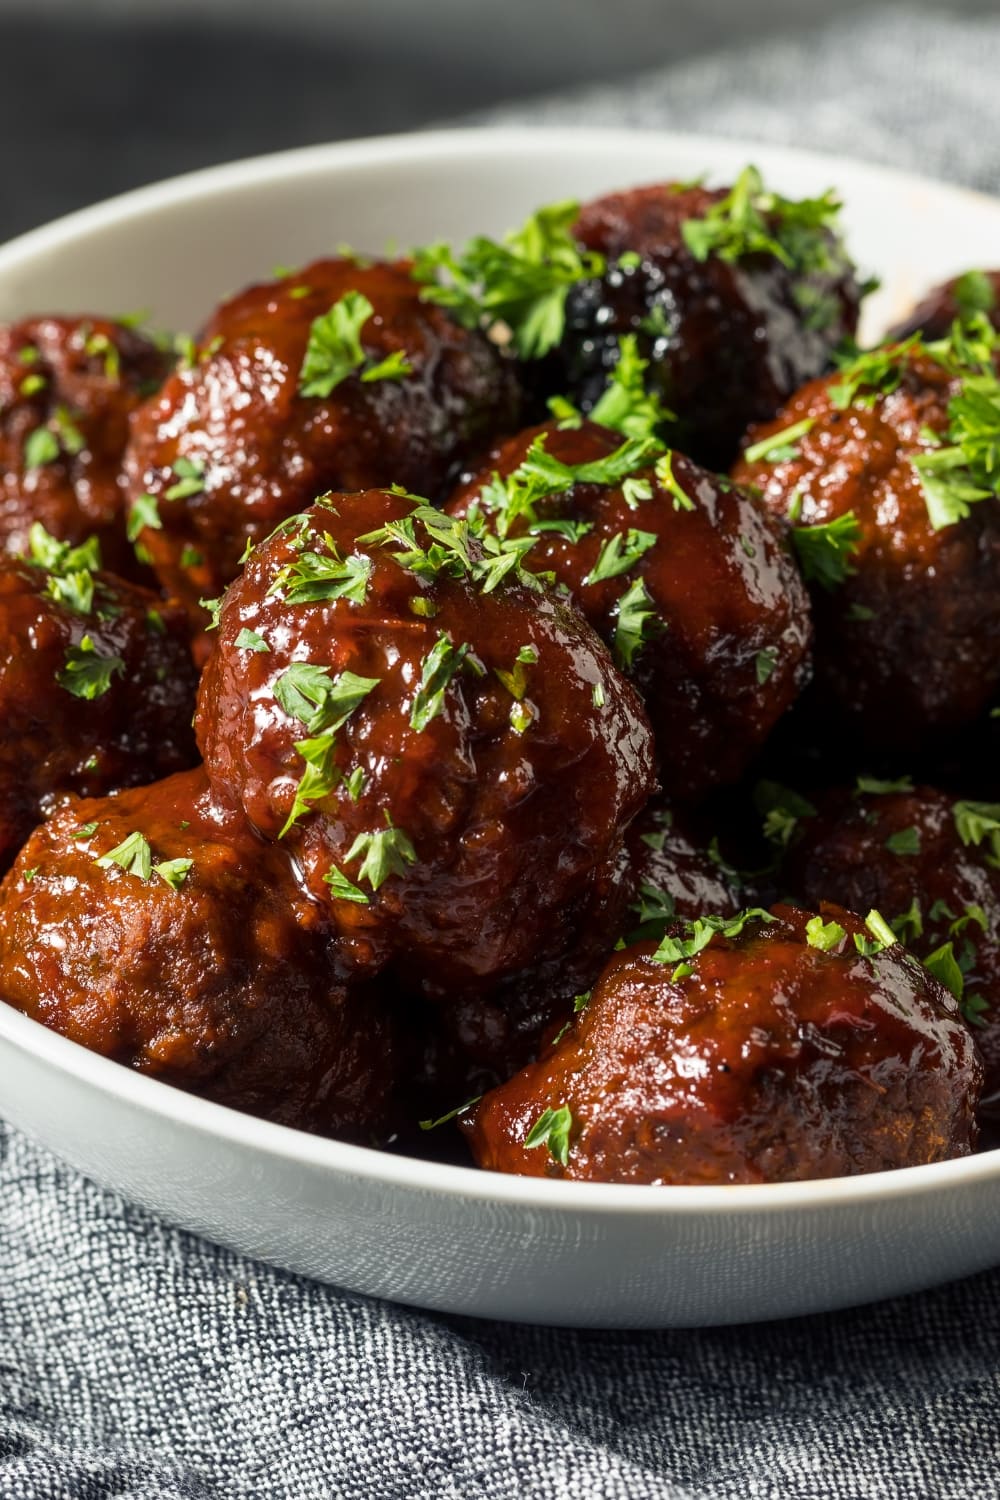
[(670, 873), (67, 389), (906, 590), (679, 572), (97, 686), (928, 862), (447, 749), (731, 329), (338, 377), (154, 927), (975, 291), (775, 1053)]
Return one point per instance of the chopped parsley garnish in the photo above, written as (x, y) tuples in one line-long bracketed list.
[(522, 716), (780, 445), (882, 935), (945, 967), (335, 351), (619, 554), (626, 405), (383, 853), (637, 623), (702, 930), (974, 293), (321, 701), (174, 871), (32, 384), (781, 808), (764, 664), (251, 640), (85, 831), (824, 550), (439, 666), (133, 855), (87, 674), (516, 680), (824, 935), (552, 1129), (143, 512), (41, 447), (521, 282), (190, 479), (904, 841), (342, 889), (909, 925), (872, 786), (318, 780), (540, 474), (316, 577), (665, 475), (451, 1115), (976, 822), (751, 220)]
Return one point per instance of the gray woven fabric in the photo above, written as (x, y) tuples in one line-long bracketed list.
[(138, 1362)]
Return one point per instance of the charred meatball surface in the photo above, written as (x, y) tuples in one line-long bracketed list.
[(446, 748), (295, 389), (760, 1058), (97, 687), (927, 861), (730, 330), (153, 927), (670, 871), (908, 619), (68, 387), (678, 571)]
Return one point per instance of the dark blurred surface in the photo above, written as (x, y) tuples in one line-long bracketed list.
[(98, 96)]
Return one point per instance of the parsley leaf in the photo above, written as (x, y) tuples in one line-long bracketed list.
[(174, 871), (976, 822), (751, 220), (765, 662), (383, 853), (321, 701), (87, 674), (637, 623), (943, 964), (439, 666), (190, 474), (142, 512), (824, 550), (619, 554), (904, 841), (522, 282), (133, 855), (250, 640), (335, 351), (702, 930), (552, 1129), (824, 935), (342, 889), (316, 577), (780, 445), (626, 405)]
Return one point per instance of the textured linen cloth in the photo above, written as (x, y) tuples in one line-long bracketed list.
[(141, 1363)]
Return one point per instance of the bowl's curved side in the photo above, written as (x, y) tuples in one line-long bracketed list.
[(445, 1237), (673, 1265)]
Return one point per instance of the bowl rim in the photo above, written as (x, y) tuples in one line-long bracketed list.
[(472, 1185)]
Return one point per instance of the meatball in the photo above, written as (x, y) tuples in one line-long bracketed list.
[(678, 571), (337, 377), (97, 685), (445, 746), (154, 927), (975, 291), (905, 572), (67, 389), (669, 873), (771, 1050), (737, 298), (928, 861)]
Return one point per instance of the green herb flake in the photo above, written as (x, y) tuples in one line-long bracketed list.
[(552, 1129), (86, 674), (824, 935), (174, 872), (637, 623), (250, 640), (665, 475), (335, 351), (321, 701), (906, 841), (452, 1114), (143, 512), (780, 446), (874, 787), (439, 666), (619, 554), (626, 405), (943, 964), (190, 479), (342, 889), (133, 855), (521, 283), (824, 550), (765, 662), (384, 853), (41, 447)]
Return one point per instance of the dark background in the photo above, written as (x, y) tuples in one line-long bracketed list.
[(101, 95)]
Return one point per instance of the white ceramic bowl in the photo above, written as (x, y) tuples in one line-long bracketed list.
[(440, 1236)]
